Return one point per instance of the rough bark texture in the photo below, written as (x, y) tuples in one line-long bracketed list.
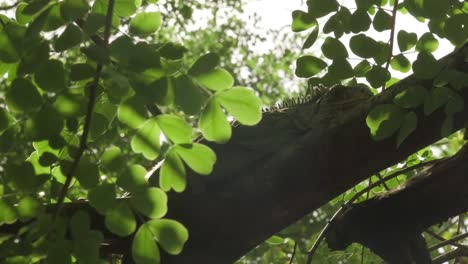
[(391, 224), (260, 188)]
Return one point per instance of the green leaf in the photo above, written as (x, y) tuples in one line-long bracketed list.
[(132, 178), (455, 104), (70, 105), (23, 96), (9, 52), (437, 97), (411, 97), (86, 249), (33, 58), (427, 42), (120, 220), (54, 19), (308, 66), (364, 4), (333, 49), (204, 64), (175, 128), (80, 224), (44, 124), (198, 157), (426, 66), (362, 68), (427, 8), (28, 207), (377, 76), (103, 198), (384, 120), (145, 23), (151, 202), (409, 124), (22, 18), (216, 80), (400, 63), (8, 215), (112, 159), (144, 247), (73, 9), (275, 240), (125, 8), (363, 46), (360, 21), (310, 40), (51, 76), (406, 40), (87, 173), (456, 28), (132, 113), (302, 21), (318, 8), (188, 96), (146, 140), (242, 104), (340, 69), (172, 173), (382, 21), (170, 234), (447, 126), (81, 71), (5, 119), (213, 123), (71, 37)]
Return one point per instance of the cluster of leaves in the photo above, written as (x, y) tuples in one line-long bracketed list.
[(445, 19), (81, 117), (335, 23)]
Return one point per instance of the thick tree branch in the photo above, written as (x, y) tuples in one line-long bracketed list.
[(391, 225)]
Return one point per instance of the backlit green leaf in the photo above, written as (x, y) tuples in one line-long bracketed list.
[(51, 76), (382, 20), (170, 234), (151, 202), (87, 173), (302, 21), (23, 96), (144, 247), (411, 97), (103, 198), (120, 220), (437, 97), (217, 79), (146, 140), (198, 157), (308, 66), (205, 64), (406, 40), (132, 113), (409, 124), (145, 23), (333, 49), (175, 128), (426, 66), (242, 104), (400, 63), (427, 42), (28, 207), (74, 9), (71, 37), (377, 76), (384, 120), (363, 46), (132, 178), (172, 174), (8, 215), (310, 40), (213, 123)]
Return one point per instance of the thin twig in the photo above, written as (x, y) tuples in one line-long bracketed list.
[(459, 252), (89, 115), (293, 253), (8, 7), (392, 37), (436, 236), (448, 242), (355, 197)]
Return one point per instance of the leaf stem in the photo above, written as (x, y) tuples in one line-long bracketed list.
[(89, 115), (392, 37)]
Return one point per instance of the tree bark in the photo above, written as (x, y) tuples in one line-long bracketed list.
[(391, 224)]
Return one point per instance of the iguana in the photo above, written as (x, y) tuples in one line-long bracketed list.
[(281, 128)]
